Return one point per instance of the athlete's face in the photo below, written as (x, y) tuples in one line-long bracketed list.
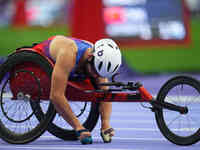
[(90, 70)]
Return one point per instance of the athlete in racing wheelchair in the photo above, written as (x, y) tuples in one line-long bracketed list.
[(67, 69)]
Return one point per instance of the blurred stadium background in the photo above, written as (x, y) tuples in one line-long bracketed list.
[(23, 22)]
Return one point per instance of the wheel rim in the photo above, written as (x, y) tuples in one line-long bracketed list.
[(182, 125)]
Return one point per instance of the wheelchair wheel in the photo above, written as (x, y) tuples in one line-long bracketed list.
[(87, 112), (180, 129), (20, 92)]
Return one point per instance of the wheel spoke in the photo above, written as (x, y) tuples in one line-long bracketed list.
[(170, 123)]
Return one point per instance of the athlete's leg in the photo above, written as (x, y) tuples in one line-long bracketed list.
[(105, 111), (106, 130)]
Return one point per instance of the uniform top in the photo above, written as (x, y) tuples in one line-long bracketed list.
[(43, 47)]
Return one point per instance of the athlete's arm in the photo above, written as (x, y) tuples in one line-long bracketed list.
[(64, 50), (65, 54), (102, 80)]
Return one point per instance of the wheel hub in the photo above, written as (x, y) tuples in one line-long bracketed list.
[(22, 96)]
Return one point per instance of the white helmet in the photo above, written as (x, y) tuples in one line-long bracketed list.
[(107, 57)]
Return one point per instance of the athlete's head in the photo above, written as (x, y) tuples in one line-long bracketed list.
[(106, 57)]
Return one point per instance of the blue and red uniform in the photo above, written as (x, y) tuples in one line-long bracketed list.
[(43, 47)]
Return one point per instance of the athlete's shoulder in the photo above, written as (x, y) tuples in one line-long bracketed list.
[(64, 41), (62, 38), (82, 40), (70, 40), (61, 43)]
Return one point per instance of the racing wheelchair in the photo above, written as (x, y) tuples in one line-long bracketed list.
[(26, 111)]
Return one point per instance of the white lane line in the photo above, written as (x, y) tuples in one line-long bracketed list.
[(152, 129), (59, 148), (133, 129), (114, 138)]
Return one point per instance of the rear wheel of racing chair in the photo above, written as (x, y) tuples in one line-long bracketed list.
[(87, 112), (21, 98), (180, 129)]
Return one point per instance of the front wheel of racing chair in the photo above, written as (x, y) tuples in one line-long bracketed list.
[(180, 128)]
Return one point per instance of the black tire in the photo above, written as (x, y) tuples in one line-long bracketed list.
[(169, 122), (38, 129)]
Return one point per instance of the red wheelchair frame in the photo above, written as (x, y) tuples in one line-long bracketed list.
[(84, 90)]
